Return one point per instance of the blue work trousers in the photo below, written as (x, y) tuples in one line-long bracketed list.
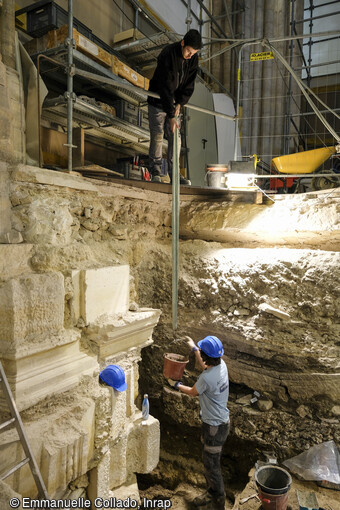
[(213, 438)]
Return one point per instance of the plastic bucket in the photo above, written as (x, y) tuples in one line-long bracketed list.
[(273, 480), (216, 167), (215, 178), (174, 365), (273, 501), (273, 484)]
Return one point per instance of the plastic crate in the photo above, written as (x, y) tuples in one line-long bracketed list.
[(124, 165), (133, 168), (144, 119), (126, 111), (45, 16)]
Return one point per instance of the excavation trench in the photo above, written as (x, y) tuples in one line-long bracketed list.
[(261, 429), (180, 469), (264, 279)]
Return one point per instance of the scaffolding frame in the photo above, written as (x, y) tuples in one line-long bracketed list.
[(308, 66)]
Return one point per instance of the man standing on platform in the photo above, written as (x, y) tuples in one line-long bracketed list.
[(174, 81)]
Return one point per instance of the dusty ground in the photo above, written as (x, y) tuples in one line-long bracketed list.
[(183, 495)]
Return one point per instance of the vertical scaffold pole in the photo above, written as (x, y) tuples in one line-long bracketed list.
[(175, 229), (69, 94)]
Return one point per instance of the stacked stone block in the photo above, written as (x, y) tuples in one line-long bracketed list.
[(88, 433)]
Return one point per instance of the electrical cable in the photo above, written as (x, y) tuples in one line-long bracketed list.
[(264, 193)]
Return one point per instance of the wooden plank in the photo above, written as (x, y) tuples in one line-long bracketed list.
[(128, 35), (78, 158), (96, 170), (53, 147), (191, 192)]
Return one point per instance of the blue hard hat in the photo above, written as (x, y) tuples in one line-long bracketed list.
[(211, 346), (114, 376)]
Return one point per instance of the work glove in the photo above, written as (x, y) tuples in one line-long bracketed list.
[(191, 343), (174, 384)]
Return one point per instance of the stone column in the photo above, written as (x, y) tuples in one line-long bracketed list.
[(11, 117), (7, 32)]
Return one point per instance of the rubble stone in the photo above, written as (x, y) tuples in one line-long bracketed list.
[(264, 405)]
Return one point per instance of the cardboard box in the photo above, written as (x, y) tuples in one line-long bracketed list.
[(114, 64), (130, 75), (127, 36), (123, 70), (89, 48)]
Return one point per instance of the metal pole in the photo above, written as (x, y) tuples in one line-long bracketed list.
[(41, 56), (212, 18), (175, 229), (133, 88), (303, 89), (238, 97), (311, 7), (69, 93), (39, 112), (286, 127), (209, 112), (188, 20)]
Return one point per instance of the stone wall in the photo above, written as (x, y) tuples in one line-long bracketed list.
[(267, 288), (63, 318)]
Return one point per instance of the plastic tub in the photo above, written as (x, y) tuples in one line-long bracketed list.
[(273, 501), (273, 484), (273, 479), (174, 365)]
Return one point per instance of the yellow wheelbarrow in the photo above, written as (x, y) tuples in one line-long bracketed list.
[(305, 163)]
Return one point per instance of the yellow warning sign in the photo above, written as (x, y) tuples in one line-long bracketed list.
[(265, 55)]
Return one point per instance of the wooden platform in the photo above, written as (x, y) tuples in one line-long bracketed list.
[(192, 192)]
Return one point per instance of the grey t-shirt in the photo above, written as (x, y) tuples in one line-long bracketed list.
[(213, 389)]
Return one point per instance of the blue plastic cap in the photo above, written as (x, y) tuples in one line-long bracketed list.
[(211, 346), (114, 376)]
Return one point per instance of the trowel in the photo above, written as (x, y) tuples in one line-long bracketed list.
[(244, 500), (307, 501)]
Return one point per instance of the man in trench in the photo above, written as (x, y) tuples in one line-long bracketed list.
[(212, 386)]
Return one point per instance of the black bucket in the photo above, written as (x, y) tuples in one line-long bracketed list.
[(273, 479)]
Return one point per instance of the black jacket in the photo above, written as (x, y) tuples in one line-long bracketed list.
[(173, 79)]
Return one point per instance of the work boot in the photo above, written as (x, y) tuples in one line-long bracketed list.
[(184, 181), (219, 503), (203, 500), (156, 178)]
